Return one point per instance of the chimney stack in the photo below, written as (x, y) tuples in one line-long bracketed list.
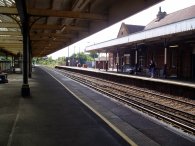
[(160, 14)]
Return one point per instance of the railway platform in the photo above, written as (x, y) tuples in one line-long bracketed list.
[(50, 117), (167, 86), (63, 112)]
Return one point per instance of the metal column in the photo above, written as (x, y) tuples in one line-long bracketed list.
[(117, 60), (106, 62), (30, 61), (99, 60), (25, 87), (136, 61), (21, 7), (165, 59)]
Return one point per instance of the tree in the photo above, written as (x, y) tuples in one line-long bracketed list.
[(61, 60), (93, 54), (45, 61), (82, 57)]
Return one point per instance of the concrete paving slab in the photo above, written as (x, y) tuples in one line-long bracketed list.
[(143, 130), (50, 117)]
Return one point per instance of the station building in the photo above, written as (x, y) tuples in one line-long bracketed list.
[(168, 40)]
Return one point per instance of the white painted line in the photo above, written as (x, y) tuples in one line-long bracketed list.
[(118, 131), (13, 130)]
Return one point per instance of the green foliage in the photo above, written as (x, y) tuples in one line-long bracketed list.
[(45, 61), (61, 60), (3, 58), (48, 61), (93, 54), (82, 57)]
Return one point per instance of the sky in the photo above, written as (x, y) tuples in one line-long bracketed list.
[(141, 18)]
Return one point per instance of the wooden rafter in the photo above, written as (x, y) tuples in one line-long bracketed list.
[(58, 27), (46, 39), (64, 23), (11, 42), (8, 10), (11, 38), (7, 46), (43, 43), (54, 35), (14, 33), (66, 14), (8, 25)]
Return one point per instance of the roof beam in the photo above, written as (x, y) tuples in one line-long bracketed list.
[(10, 42), (10, 38), (13, 48), (14, 33), (59, 27), (46, 39), (9, 25), (6, 45), (45, 43), (54, 35), (66, 14), (10, 52), (8, 10)]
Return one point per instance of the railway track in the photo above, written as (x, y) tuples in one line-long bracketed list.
[(178, 112)]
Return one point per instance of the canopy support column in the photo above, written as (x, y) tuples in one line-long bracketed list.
[(136, 62), (117, 60), (25, 87), (30, 61), (99, 60), (165, 59), (106, 61), (21, 7)]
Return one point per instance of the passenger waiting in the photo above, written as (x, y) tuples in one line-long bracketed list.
[(152, 68)]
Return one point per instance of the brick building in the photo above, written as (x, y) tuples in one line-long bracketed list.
[(169, 40)]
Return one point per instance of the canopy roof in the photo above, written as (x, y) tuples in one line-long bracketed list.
[(55, 24), (10, 32), (177, 26)]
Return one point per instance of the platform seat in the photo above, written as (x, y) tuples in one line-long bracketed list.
[(3, 78)]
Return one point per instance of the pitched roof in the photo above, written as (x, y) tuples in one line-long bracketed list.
[(134, 28), (127, 29), (177, 16)]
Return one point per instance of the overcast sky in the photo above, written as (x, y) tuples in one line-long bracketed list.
[(142, 18)]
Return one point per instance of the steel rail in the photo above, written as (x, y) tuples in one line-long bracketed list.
[(185, 114), (169, 117)]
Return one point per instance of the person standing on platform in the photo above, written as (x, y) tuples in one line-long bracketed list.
[(152, 68)]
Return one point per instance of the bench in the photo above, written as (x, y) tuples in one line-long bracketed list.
[(3, 78)]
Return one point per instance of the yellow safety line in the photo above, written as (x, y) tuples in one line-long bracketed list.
[(118, 131)]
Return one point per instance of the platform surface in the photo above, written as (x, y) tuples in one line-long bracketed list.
[(53, 116), (183, 83), (50, 117)]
